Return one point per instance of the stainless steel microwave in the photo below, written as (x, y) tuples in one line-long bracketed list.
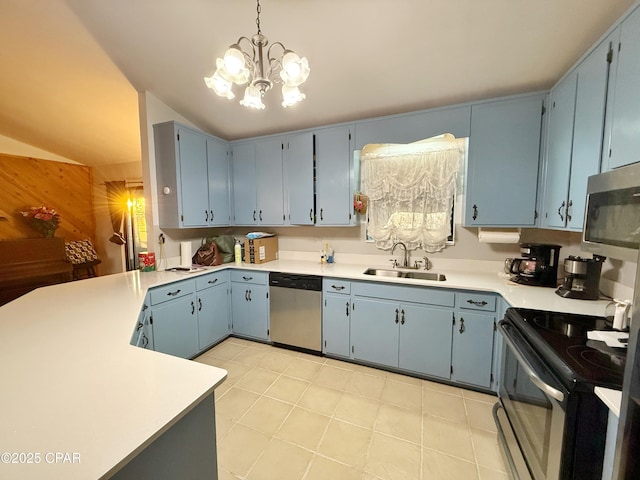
[(612, 216)]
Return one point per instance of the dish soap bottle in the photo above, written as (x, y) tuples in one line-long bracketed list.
[(328, 252), (237, 252)]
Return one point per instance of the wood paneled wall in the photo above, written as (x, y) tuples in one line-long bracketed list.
[(30, 182)]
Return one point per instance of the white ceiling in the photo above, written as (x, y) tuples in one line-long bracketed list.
[(71, 69)]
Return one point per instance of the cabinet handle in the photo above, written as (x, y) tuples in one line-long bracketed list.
[(260, 215), (206, 214), (246, 279), (560, 211), (321, 216), (347, 309), (199, 304), (246, 295), (249, 295), (475, 211), (173, 294), (254, 215), (479, 304), (397, 316), (337, 287), (402, 321), (311, 214), (211, 214), (567, 212), (139, 326), (462, 329), (212, 281), (193, 307), (145, 341)]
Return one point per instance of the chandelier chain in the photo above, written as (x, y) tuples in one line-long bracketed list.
[(258, 9)]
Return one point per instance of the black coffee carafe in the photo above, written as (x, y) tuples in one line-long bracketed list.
[(538, 267)]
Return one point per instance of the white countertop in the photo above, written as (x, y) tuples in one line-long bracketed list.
[(73, 384), (611, 398)]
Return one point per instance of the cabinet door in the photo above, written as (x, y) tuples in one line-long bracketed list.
[(175, 327), (244, 185), (334, 201), (625, 126), (588, 128), (213, 315), (503, 150), (472, 353), (270, 187), (335, 324), (250, 310), (194, 187), (425, 340), (218, 172), (374, 331), (241, 322), (298, 170), (558, 158)]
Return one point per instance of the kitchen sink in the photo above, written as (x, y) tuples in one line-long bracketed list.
[(385, 272)]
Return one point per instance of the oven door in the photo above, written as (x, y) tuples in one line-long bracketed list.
[(533, 401)]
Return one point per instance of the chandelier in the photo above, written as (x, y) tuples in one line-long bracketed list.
[(260, 68)]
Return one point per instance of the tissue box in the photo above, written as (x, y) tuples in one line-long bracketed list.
[(260, 250), (147, 261)]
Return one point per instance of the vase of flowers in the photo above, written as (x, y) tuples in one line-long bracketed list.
[(43, 219)]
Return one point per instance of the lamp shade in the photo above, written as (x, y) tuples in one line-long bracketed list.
[(252, 98), (291, 95)]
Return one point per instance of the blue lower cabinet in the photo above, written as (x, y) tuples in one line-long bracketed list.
[(375, 331), (250, 310), (472, 353), (213, 315), (425, 340), (336, 315), (175, 327)]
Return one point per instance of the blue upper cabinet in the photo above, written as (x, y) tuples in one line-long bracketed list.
[(414, 126), (624, 140), (218, 172), (334, 176), (299, 181), (183, 163), (502, 170)]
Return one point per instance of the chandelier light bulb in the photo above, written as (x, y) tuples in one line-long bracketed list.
[(291, 96), (234, 60), (295, 70), (219, 85), (252, 98)]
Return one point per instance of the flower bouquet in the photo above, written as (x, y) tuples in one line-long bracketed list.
[(43, 219)]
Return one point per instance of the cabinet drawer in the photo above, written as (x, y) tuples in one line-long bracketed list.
[(171, 291), (425, 295), (333, 285), (248, 276), (477, 301), (211, 280)]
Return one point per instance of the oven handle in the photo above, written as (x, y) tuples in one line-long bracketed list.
[(533, 376)]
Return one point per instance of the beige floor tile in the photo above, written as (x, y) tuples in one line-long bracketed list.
[(361, 411), (304, 428), (365, 385), (487, 450), (252, 357), (235, 403), (312, 358), (489, 474), (400, 422), (241, 449), (369, 370), (334, 362), (303, 369), (266, 415), (443, 405), (448, 437), (442, 388), (281, 461), (257, 380), (478, 396), (402, 394), (239, 341), (235, 371), (393, 459), (332, 377), (436, 465), (277, 362), (288, 389), (211, 360), (223, 426), (226, 350), (398, 377), (480, 415), (346, 443), (326, 469), (320, 399), (224, 475)]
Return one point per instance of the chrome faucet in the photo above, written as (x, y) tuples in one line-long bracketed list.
[(405, 262)]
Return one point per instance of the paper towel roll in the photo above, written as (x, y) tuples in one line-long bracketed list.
[(498, 236), (185, 254)]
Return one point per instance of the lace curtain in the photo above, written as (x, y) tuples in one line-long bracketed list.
[(411, 190)]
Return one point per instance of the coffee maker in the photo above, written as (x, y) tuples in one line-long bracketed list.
[(582, 278), (539, 267)]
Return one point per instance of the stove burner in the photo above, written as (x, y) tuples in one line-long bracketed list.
[(609, 361), (568, 325)]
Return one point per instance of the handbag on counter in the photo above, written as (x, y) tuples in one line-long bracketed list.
[(207, 255)]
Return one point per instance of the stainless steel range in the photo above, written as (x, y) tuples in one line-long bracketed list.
[(550, 423)]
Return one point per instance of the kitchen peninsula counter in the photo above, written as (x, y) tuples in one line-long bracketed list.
[(73, 384)]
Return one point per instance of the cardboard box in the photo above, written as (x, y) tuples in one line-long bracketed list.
[(260, 250)]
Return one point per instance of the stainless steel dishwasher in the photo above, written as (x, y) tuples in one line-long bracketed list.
[(296, 310)]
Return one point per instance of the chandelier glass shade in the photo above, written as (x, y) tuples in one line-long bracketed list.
[(260, 68)]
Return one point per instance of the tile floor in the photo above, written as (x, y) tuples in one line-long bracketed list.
[(287, 415)]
